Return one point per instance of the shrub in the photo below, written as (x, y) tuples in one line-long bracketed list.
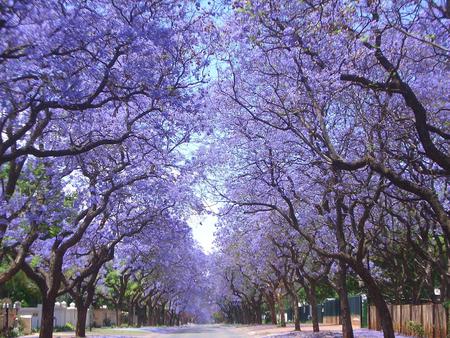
[(12, 333), (65, 328), (107, 322), (416, 329)]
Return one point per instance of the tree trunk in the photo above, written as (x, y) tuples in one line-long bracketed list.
[(257, 311), (273, 313), (347, 329), (83, 303), (138, 316), (47, 320), (383, 313), (235, 315), (80, 330), (296, 313), (131, 314), (119, 304), (377, 297), (312, 299), (163, 314), (245, 314), (118, 323), (149, 313), (271, 303), (281, 312)]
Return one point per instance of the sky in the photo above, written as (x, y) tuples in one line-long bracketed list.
[(203, 227)]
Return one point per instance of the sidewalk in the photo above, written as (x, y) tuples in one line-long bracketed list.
[(270, 330), (326, 331)]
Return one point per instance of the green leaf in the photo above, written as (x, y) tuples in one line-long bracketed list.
[(54, 230), (35, 261)]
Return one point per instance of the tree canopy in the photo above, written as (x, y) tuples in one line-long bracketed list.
[(319, 129)]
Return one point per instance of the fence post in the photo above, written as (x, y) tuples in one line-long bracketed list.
[(433, 320), (401, 317), (2, 319), (410, 316), (421, 314)]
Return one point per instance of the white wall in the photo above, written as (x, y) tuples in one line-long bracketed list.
[(63, 314)]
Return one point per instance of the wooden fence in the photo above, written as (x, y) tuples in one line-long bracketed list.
[(104, 317), (7, 323), (430, 316)]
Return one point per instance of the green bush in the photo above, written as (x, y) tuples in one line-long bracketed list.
[(416, 329), (65, 328), (12, 333), (16, 332)]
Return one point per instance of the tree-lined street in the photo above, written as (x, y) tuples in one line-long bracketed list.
[(312, 135)]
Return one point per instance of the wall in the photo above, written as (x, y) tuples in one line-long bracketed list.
[(34, 312), (63, 314)]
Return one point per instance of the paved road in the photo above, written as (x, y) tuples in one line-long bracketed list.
[(191, 331), (195, 331)]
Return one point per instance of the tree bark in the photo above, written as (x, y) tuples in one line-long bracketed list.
[(163, 314), (118, 323), (378, 299), (119, 305), (312, 299), (149, 313), (383, 313), (141, 315), (131, 314), (80, 330), (296, 313), (271, 303), (273, 312), (347, 329), (257, 312), (83, 297), (47, 320), (281, 312)]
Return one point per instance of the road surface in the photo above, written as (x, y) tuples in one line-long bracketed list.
[(215, 331), (189, 331), (195, 331)]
